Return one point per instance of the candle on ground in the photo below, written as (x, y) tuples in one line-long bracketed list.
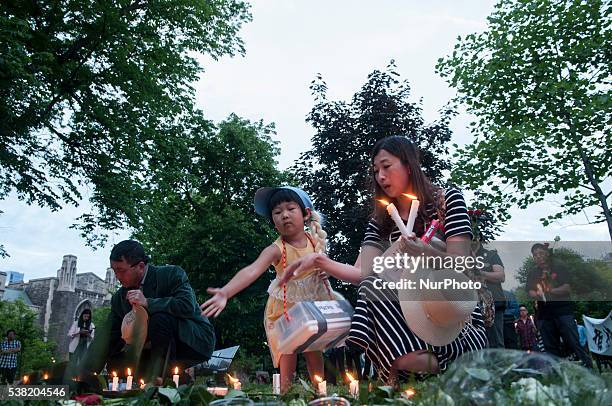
[(276, 384), (235, 382), (321, 385), (128, 382), (353, 386), (175, 377), (142, 384), (115, 385)]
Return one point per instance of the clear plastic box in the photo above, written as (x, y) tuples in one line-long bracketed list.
[(314, 326)]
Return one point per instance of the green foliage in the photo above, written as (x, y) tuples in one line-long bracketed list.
[(100, 315), (336, 171), (538, 82), (196, 211), (91, 91), (35, 353)]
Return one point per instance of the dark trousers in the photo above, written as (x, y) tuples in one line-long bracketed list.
[(565, 327), (511, 341), (495, 333), (7, 375)]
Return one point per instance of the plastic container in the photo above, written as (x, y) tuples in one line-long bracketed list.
[(314, 326)]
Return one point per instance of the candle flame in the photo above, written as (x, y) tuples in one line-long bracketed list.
[(129, 372), (114, 374), (25, 379), (232, 379), (142, 381), (410, 392), (384, 202), (350, 377), (46, 376), (410, 196), (175, 370), (318, 378)]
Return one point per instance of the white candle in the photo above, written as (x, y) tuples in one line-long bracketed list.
[(115, 385), (142, 384), (235, 382), (392, 210), (276, 384), (414, 210), (321, 386), (128, 383), (353, 386), (175, 377)]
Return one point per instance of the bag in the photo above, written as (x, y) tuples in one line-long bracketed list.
[(485, 297)]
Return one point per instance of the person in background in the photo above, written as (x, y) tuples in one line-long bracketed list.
[(81, 335), (548, 282), (526, 330), (511, 315), (8, 357)]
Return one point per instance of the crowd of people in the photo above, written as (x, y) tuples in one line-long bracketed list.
[(401, 336)]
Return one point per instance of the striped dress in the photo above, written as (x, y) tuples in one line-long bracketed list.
[(378, 325)]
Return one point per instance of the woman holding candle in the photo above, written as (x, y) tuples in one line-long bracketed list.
[(290, 210), (380, 324)]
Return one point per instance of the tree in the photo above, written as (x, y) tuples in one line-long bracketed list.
[(197, 212), (538, 82), (89, 90), (336, 171), (35, 354)]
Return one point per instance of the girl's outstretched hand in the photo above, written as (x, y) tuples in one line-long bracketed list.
[(215, 305), (297, 267)]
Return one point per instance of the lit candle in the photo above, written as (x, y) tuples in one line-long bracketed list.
[(235, 382), (175, 377), (353, 386), (392, 210), (115, 384), (414, 210), (128, 383), (276, 384), (46, 376), (408, 393), (26, 379), (142, 384), (321, 385)]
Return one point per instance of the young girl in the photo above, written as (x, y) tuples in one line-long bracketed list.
[(290, 209)]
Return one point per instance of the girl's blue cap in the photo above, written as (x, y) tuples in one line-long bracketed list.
[(264, 194)]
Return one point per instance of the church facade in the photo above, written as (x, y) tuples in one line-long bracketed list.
[(60, 300)]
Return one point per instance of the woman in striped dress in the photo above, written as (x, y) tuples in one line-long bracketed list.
[(379, 326)]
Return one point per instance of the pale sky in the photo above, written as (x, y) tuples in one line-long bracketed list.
[(287, 44)]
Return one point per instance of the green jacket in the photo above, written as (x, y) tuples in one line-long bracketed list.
[(167, 289)]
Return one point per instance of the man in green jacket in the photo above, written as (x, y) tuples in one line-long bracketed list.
[(175, 323)]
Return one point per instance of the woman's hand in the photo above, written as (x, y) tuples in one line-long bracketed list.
[(215, 305), (297, 267), (415, 247)]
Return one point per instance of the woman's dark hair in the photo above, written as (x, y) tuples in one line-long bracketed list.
[(130, 250), (85, 323), (282, 196), (9, 331), (409, 155)]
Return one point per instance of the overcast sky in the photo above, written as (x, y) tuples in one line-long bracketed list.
[(287, 44)]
